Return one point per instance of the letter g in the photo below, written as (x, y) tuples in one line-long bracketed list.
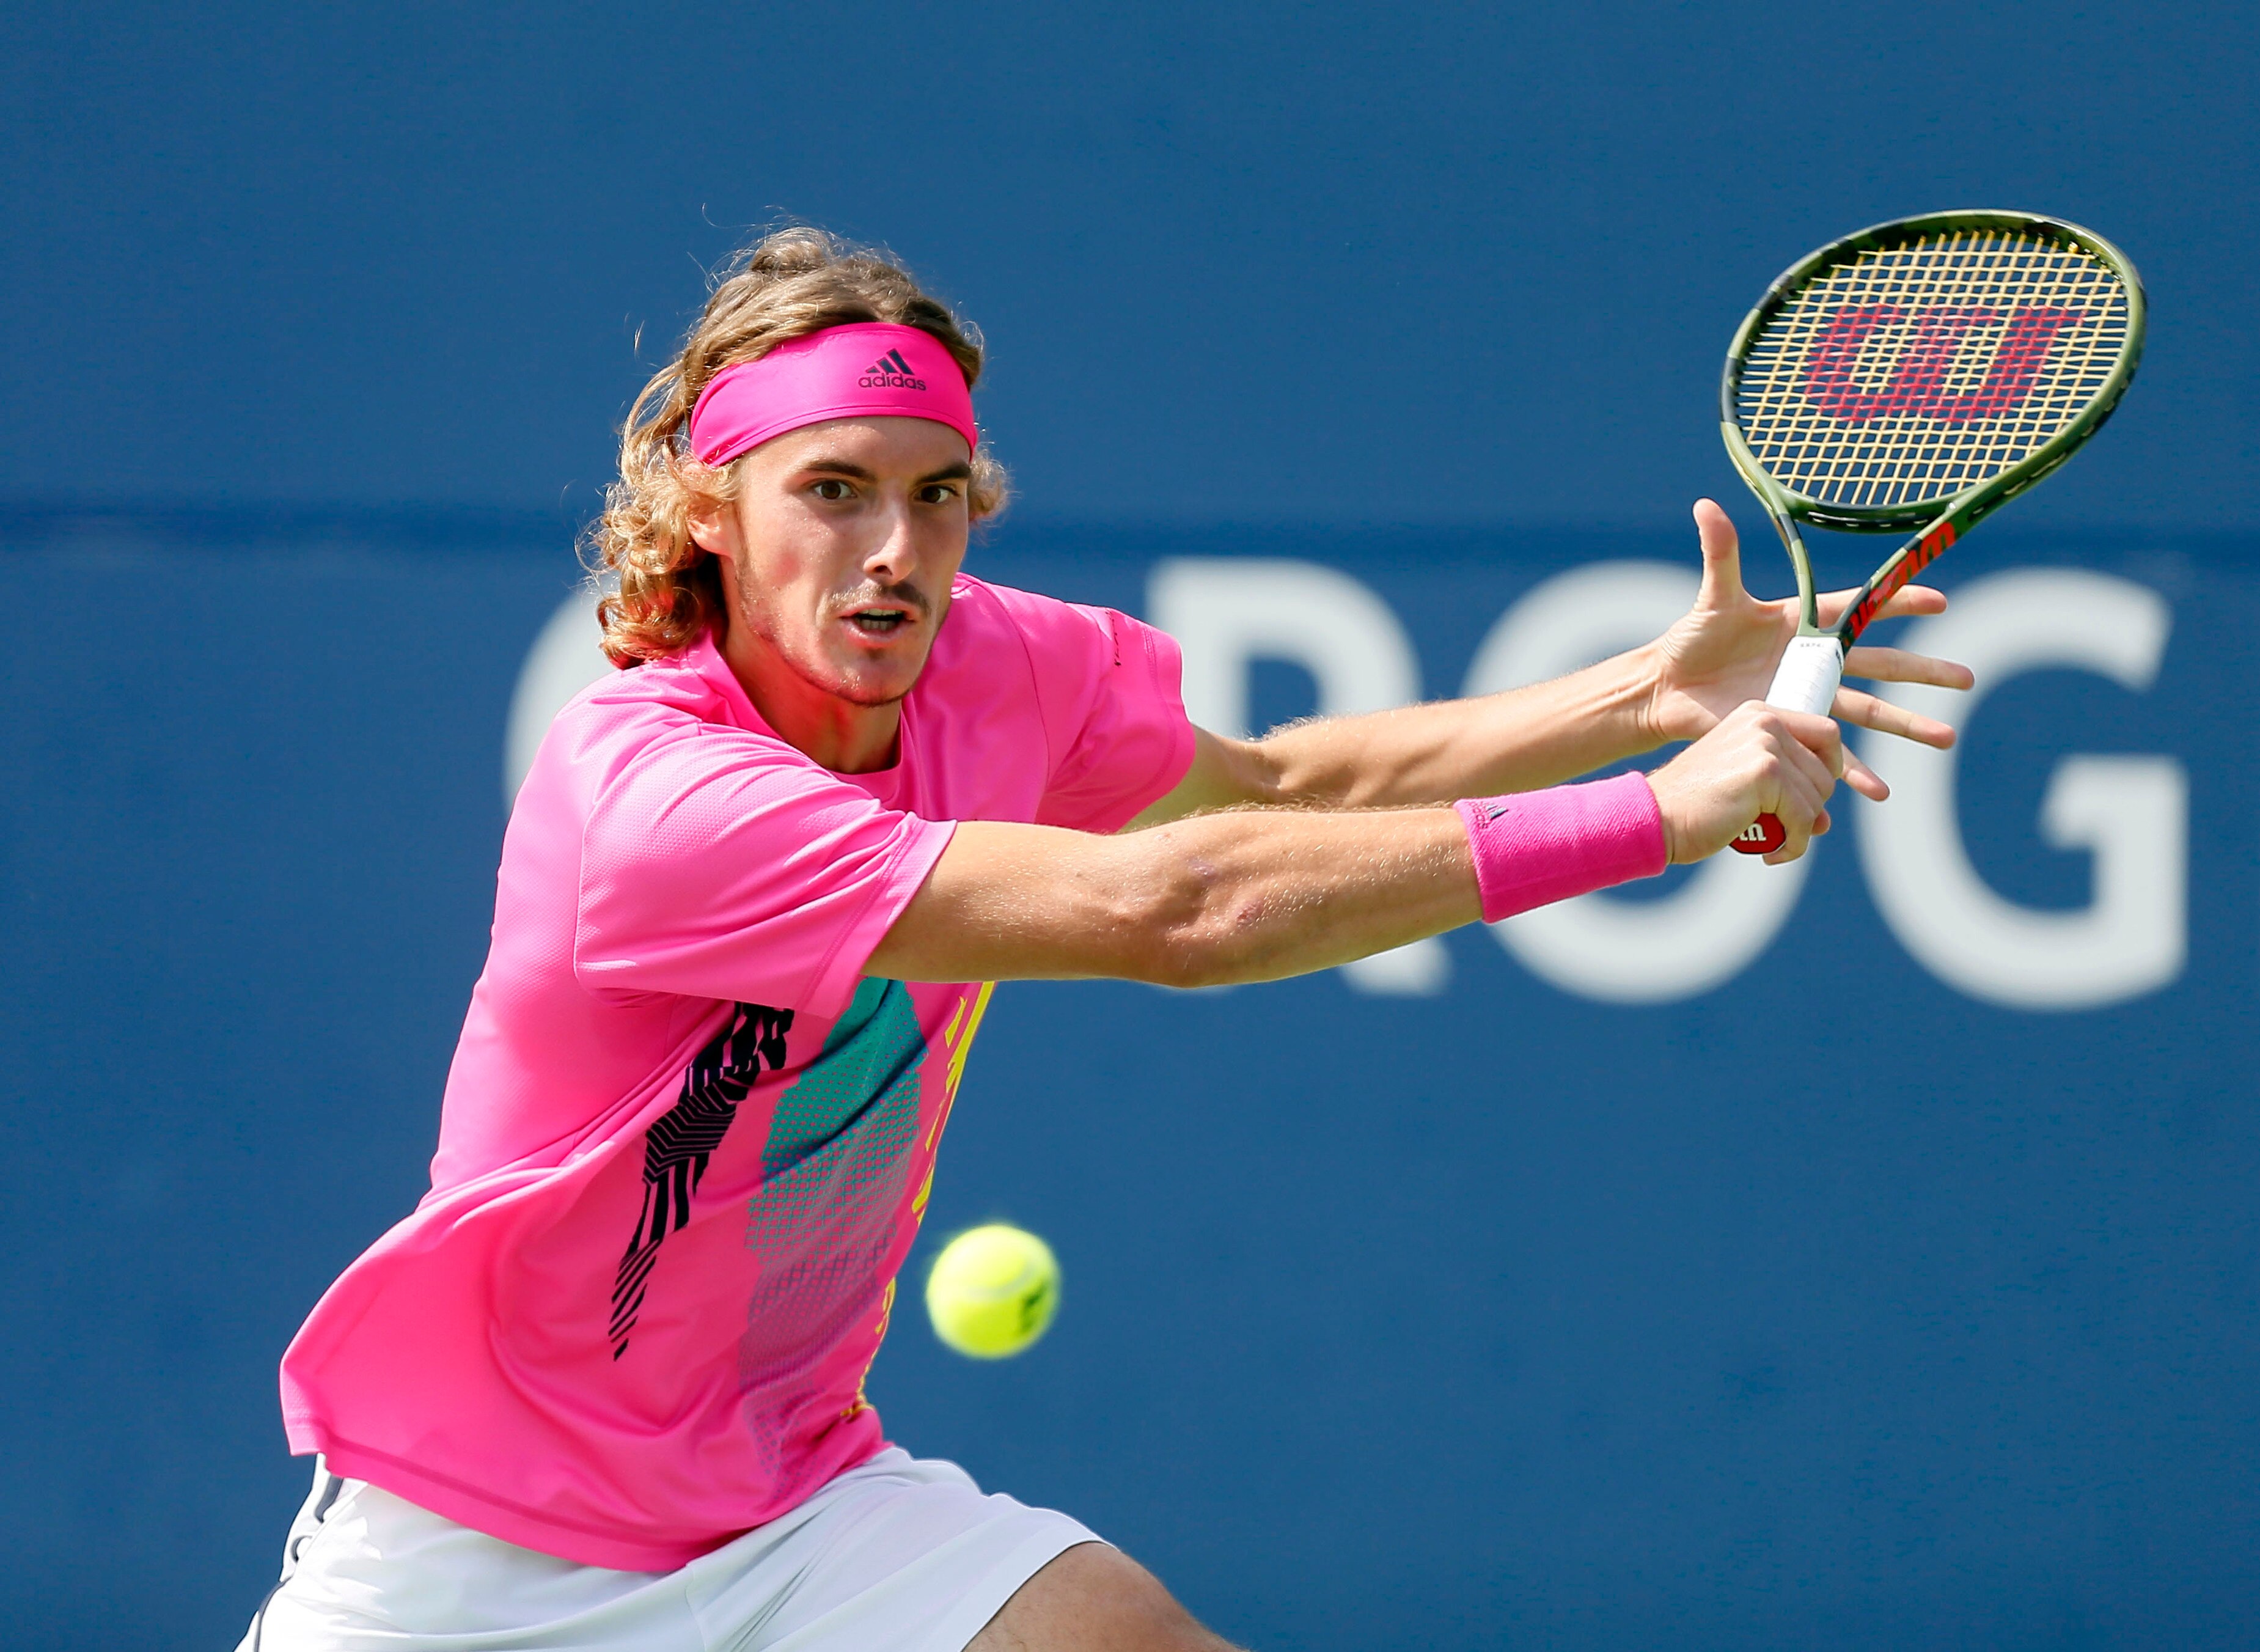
[(2130, 812)]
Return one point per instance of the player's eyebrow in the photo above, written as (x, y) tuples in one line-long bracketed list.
[(846, 468), (853, 472)]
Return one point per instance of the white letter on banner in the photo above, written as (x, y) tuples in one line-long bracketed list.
[(1597, 945), (564, 660), (2131, 813), (1226, 612)]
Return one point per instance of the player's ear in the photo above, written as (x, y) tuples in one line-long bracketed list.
[(713, 524)]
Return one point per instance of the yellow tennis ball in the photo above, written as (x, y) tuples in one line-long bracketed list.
[(993, 1290)]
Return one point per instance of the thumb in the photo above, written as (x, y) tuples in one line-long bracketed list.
[(1722, 556)]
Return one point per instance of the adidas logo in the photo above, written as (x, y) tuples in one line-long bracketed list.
[(890, 372)]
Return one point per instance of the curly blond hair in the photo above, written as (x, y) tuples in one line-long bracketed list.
[(790, 284)]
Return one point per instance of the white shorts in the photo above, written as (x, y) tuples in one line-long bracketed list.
[(901, 1555)]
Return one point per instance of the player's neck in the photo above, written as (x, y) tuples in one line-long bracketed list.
[(838, 734)]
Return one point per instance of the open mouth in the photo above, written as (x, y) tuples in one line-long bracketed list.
[(878, 622)]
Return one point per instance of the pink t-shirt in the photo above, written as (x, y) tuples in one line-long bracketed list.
[(686, 1145)]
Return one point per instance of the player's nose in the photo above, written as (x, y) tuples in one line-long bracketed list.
[(895, 557), (893, 554)]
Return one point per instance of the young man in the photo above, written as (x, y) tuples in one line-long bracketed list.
[(603, 1388)]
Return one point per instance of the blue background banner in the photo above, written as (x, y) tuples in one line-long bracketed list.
[(1238, 259), (1862, 1255), (1881, 1284)]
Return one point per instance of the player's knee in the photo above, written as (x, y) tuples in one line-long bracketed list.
[(1093, 1598)]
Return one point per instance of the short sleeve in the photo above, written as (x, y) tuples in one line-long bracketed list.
[(1114, 716), (722, 864)]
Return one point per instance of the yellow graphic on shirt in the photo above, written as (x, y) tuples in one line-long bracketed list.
[(961, 1047), (957, 1040)]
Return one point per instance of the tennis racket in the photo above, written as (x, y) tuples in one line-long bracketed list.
[(1918, 375)]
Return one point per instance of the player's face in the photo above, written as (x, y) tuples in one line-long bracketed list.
[(842, 547)]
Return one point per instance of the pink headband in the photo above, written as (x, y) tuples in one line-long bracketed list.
[(864, 369)]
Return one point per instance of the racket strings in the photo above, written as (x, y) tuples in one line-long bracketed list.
[(1915, 370)]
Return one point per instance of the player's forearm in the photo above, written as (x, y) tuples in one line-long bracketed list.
[(1517, 741), (1221, 899), (1259, 895), (1255, 894)]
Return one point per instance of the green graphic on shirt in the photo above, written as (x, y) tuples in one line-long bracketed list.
[(825, 1218), (869, 1062)]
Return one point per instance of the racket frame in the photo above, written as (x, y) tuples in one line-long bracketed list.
[(1943, 521), (1813, 662)]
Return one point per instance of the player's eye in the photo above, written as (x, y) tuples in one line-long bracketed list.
[(938, 493), (834, 488)]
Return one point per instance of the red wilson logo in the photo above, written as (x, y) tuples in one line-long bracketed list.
[(1928, 550), (1918, 383)]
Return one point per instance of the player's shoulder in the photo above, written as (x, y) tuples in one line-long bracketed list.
[(670, 690), (1009, 605), (688, 696), (986, 616)]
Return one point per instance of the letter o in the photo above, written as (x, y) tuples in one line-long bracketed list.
[(1227, 611), (565, 659)]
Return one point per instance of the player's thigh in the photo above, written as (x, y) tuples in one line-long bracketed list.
[(1093, 1598)]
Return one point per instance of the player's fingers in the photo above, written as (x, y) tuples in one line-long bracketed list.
[(1818, 774), (1796, 845), (1722, 552), (1818, 741), (1905, 604), (1867, 710), (1797, 806), (1796, 786), (1896, 665), (1864, 780), (1911, 600)]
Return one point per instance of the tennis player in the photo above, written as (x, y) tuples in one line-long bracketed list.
[(604, 1389)]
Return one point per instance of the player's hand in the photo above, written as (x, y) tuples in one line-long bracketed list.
[(1723, 653), (1756, 760)]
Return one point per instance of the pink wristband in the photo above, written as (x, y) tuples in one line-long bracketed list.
[(1532, 847)]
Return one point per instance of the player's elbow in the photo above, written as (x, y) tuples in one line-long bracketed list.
[(1189, 921)]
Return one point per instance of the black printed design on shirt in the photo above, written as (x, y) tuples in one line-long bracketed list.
[(682, 1139)]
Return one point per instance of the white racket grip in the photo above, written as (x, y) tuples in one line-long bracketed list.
[(1807, 677), (1805, 681)]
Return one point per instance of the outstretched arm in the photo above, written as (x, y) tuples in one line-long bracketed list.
[(1721, 655), (1257, 894)]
